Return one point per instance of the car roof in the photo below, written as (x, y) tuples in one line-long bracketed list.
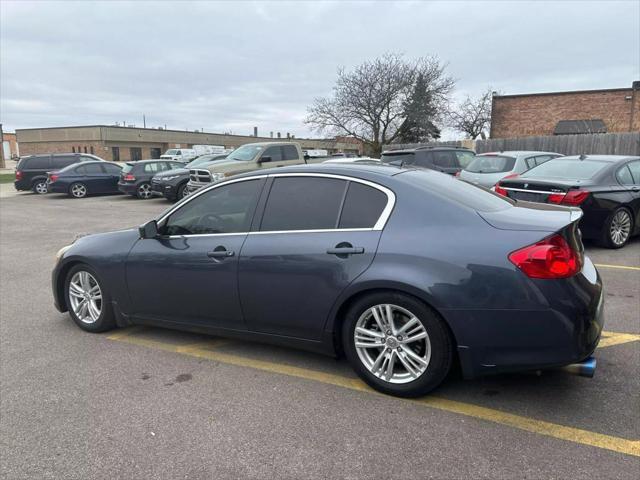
[(138, 162), (603, 158), (413, 150), (519, 153), (353, 169)]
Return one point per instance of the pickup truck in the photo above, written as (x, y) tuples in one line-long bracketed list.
[(247, 158)]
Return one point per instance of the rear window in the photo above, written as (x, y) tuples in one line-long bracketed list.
[(567, 169), (406, 158), (35, 163), (471, 196), (491, 164), (127, 168)]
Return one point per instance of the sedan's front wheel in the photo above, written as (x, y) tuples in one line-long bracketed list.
[(397, 344), (88, 302)]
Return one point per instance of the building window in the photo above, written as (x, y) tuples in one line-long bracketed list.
[(135, 153), (85, 149), (91, 149), (155, 152), (115, 153), (73, 149)]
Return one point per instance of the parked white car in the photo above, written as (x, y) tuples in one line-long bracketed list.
[(487, 169), (180, 154)]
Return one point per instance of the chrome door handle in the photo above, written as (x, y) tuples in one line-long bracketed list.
[(345, 250), (220, 253)]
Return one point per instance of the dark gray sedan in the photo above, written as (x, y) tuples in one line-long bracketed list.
[(403, 271)]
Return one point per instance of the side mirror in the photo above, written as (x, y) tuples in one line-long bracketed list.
[(264, 159), (149, 230)]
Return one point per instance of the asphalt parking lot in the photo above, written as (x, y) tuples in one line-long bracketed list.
[(151, 403)]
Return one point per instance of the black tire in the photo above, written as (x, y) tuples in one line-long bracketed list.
[(144, 192), (440, 340), (106, 321), (78, 190), (607, 238), (40, 186), (182, 190)]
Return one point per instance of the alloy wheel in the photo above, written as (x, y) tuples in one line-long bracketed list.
[(620, 227), (78, 190), (85, 297), (392, 343), (41, 187), (144, 191)]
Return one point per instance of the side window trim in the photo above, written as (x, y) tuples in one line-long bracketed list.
[(624, 167), (266, 187)]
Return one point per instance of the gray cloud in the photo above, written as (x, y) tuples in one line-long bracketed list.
[(229, 66)]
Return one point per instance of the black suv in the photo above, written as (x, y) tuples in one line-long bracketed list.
[(135, 178), (31, 171), (444, 159)]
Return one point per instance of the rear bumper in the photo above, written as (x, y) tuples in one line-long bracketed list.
[(127, 188), (566, 332), (58, 188), (21, 185)]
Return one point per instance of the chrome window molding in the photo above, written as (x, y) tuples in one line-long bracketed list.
[(379, 225), (527, 191)]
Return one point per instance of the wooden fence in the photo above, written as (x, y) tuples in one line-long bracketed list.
[(594, 143)]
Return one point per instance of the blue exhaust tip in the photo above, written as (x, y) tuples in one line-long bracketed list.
[(586, 368)]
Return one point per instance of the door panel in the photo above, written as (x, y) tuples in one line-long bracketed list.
[(288, 282), (177, 279)]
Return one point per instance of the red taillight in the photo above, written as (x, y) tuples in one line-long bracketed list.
[(53, 178), (572, 197), (549, 258), (129, 178), (513, 175), (500, 191), (457, 174), (18, 174)]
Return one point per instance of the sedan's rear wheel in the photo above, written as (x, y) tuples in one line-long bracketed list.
[(40, 187), (144, 191), (88, 302), (78, 190), (618, 228), (397, 344)]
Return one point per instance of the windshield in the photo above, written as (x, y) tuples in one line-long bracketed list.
[(245, 153), (172, 152), (205, 159), (567, 169), (491, 164), (398, 158)]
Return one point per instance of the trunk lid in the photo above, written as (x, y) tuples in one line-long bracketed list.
[(523, 189), (529, 216)]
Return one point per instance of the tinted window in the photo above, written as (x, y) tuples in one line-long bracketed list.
[(406, 158), (61, 162), (289, 152), (111, 168), (363, 206), (635, 171), (624, 176), (93, 168), (274, 152), (38, 163), (444, 159), (423, 159), (226, 209), (303, 203), (464, 158), (540, 159), (567, 169), (492, 164), (151, 168)]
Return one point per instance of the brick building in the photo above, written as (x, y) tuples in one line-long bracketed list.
[(10, 145), (125, 143), (558, 113)]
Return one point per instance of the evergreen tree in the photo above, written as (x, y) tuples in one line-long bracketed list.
[(420, 111)]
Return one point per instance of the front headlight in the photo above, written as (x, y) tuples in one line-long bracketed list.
[(166, 179), (61, 252)]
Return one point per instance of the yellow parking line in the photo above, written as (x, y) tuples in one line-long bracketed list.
[(622, 267), (576, 435), (610, 339)]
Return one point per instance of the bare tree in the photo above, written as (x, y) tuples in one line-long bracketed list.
[(473, 116), (369, 103)]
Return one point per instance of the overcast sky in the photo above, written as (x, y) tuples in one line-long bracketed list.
[(227, 66)]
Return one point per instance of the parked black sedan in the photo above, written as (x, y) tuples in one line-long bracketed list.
[(86, 178), (345, 258), (135, 178), (172, 184), (606, 187)]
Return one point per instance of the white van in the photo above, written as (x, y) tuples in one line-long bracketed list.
[(209, 149), (180, 154)]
